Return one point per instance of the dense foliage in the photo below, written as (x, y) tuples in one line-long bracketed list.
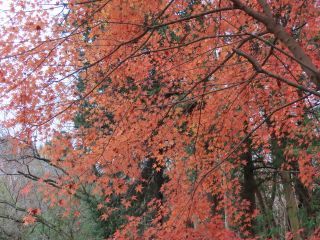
[(180, 119)]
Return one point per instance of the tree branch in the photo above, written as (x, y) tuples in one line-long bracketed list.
[(259, 69), (279, 32)]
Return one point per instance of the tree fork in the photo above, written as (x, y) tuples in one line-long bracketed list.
[(272, 26)]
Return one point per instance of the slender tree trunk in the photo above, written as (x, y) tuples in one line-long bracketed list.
[(291, 204), (288, 189), (248, 187), (304, 197), (249, 182), (225, 196), (270, 222), (226, 215)]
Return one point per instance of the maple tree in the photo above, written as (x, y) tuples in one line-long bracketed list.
[(181, 119)]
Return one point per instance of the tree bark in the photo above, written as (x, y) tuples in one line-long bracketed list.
[(291, 204), (288, 189), (279, 32), (248, 187)]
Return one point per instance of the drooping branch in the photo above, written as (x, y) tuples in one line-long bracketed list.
[(272, 26), (259, 69)]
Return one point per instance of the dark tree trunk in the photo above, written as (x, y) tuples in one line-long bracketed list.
[(248, 187)]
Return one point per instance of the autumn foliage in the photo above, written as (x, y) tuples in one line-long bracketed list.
[(187, 119)]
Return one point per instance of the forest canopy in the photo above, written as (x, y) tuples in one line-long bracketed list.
[(163, 119)]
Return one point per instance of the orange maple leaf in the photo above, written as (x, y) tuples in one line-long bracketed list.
[(126, 204), (26, 189), (139, 188), (99, 206), (76, 213), (28, 219), (134, 198), (104, 217), (34, 211)]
